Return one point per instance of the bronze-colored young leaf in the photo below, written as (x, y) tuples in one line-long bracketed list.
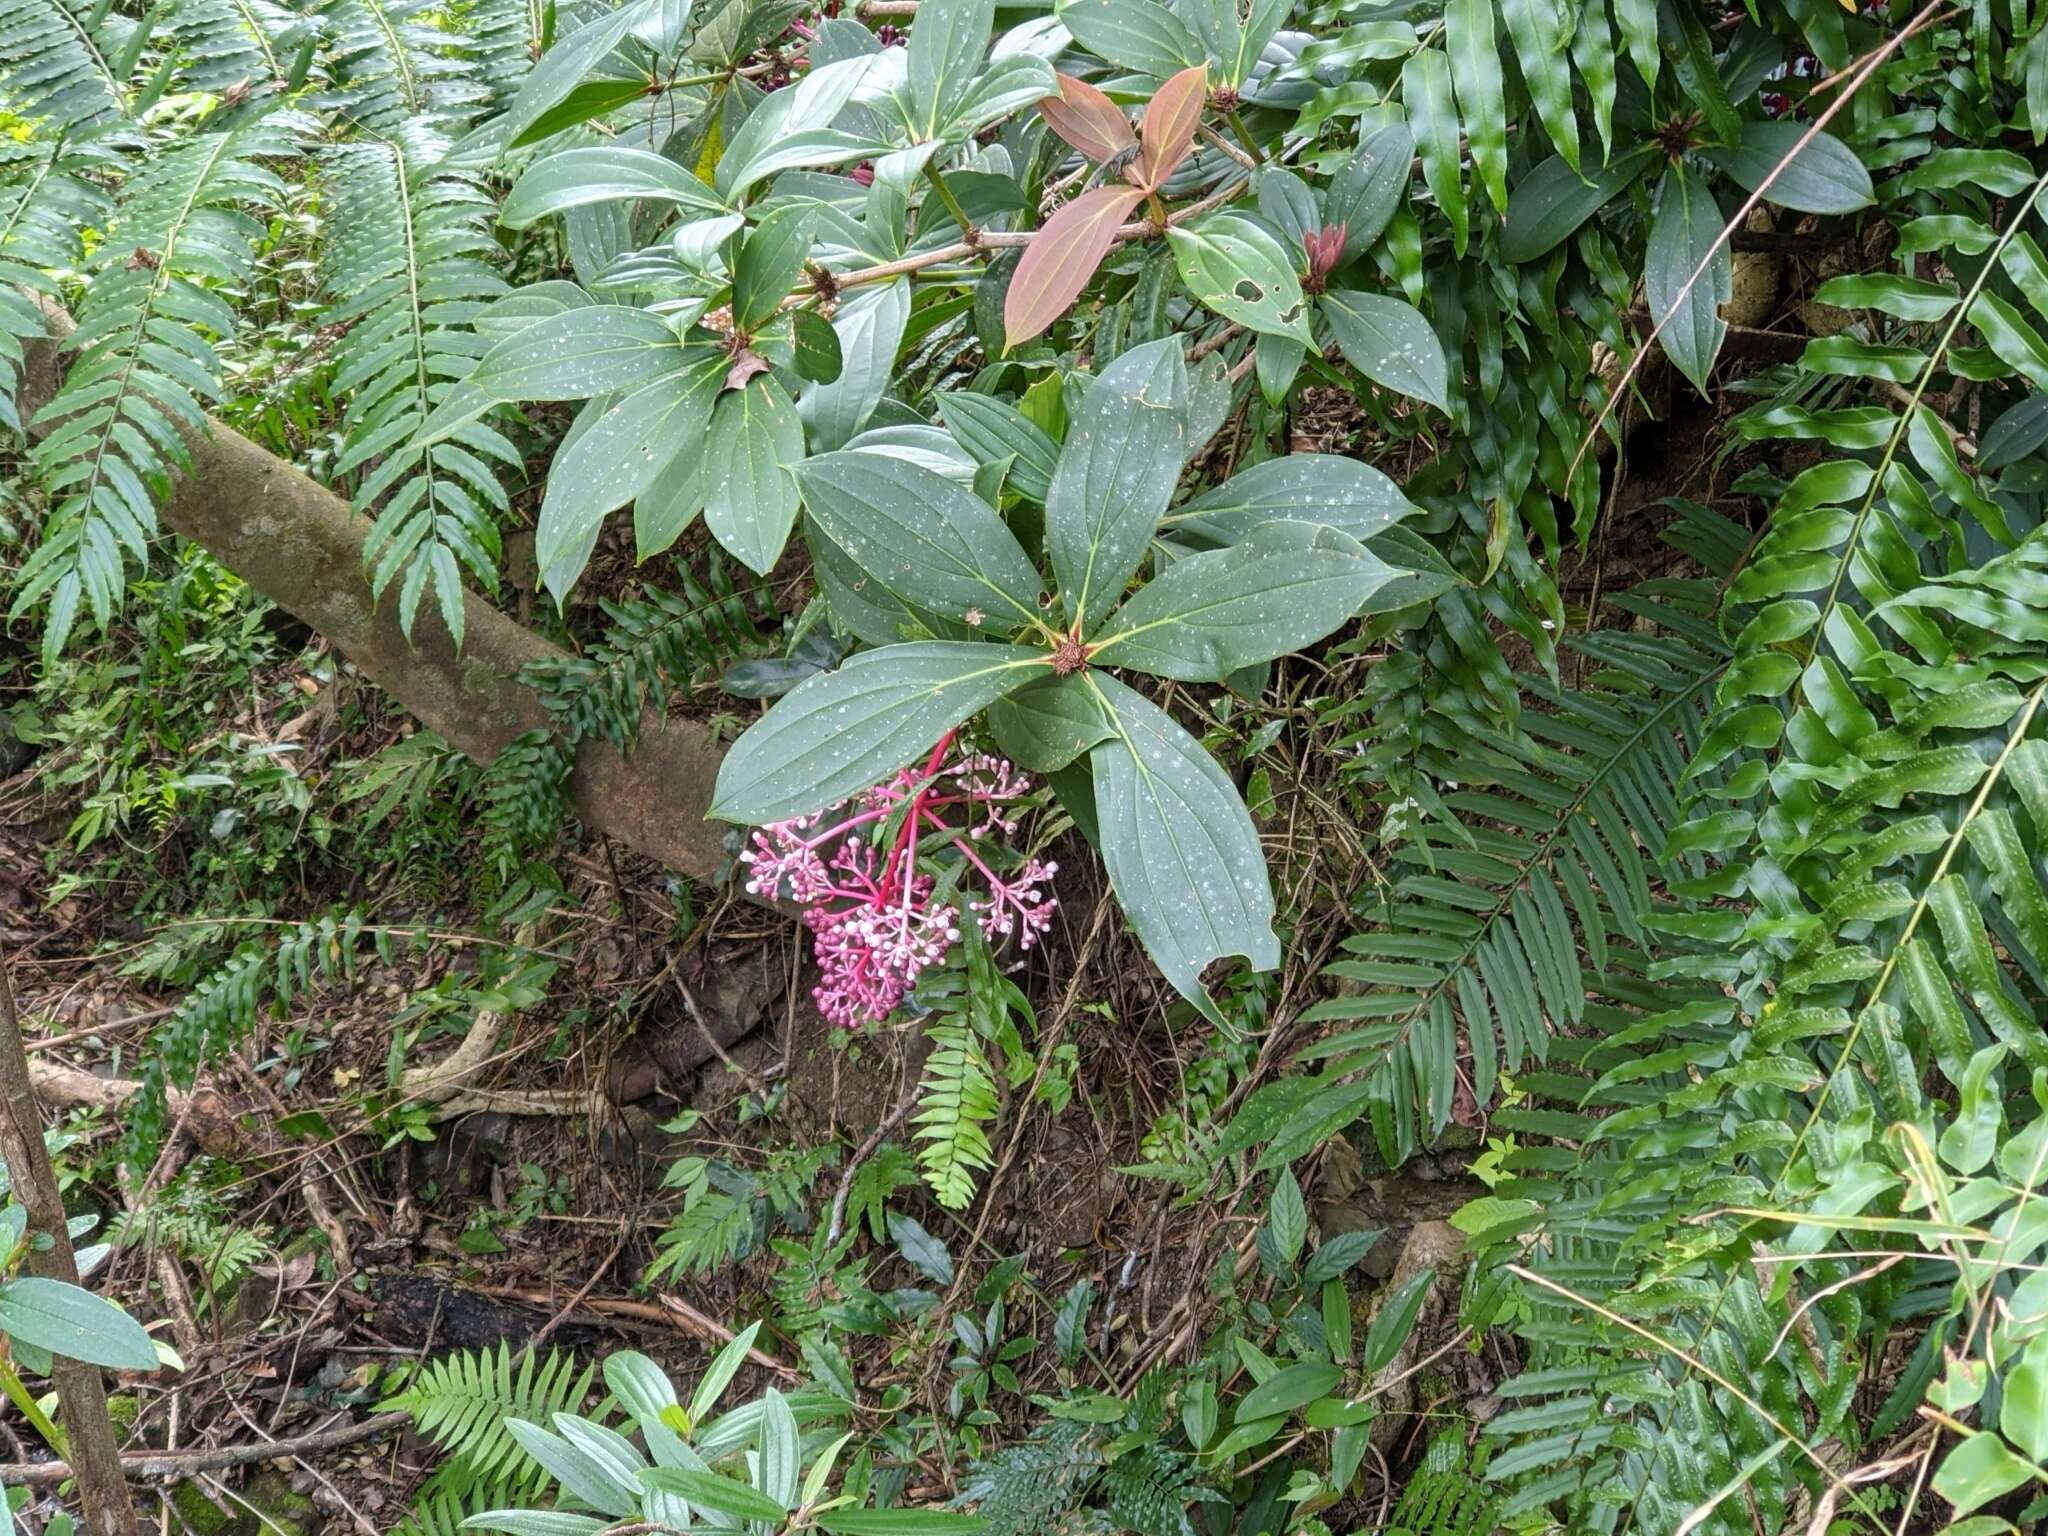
[(1062, 257), (1088, 120), (1168, 131)]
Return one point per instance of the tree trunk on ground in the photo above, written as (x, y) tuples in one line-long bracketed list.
[(301, 546), (94, 1457)]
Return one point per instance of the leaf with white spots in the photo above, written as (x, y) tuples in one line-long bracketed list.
[(922, 538), (1179, 846), (1117, 471), (842, 732), (598, 349), (616, 457), (1284, 587), (1238, 270), (1389, 342), (1323, 488), (750, 498)]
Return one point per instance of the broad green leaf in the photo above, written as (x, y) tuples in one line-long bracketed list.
[(563, 67), (593, 1481), (900, 1522), (770, 263), (1133, 34), (714, 1494), (72, 1321), (1304, 487), (1290, 1388), (536, 1522), (947, 41), (869, 325), (1062, 256), (1541, 30), (782, 1451), (921, 536), (1049, 722), (597, 350), (1482, 99), (617, 457), (992, 429), (1824, 177), (719, 1374), (1395, 1320), (1179, 846), (750, 496), (572, 178), (1287, 1230), (1283, 587), (2008, 333), (1118, 467), (1553, 200), (2023, 1408), (819, 359), (1905, 298), (1685, 236), (1389, 342), (1235, 268), (1979, 1470), (1365, 192), (845, 731)]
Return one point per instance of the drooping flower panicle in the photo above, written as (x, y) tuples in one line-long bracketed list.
[(874, 925)]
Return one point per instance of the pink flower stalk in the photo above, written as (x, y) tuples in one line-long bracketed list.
[(874, 925)]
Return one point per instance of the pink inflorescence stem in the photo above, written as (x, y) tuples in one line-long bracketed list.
[(874, 924)]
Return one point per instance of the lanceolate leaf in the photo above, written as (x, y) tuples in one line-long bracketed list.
[(1389, 342), (921, 536), (563, 67), (1118, 468), (1685, 229), (1824, 177), (599, 349), (1553, 200), (1049, 722), (1541, 30), (570, 178), (1168, 128), (1239, 271), (947, 42), (1426, 91), (1284, 587), (1482, 100), (1136, 34), (1088, 120), (1062, 256), (1306, 487), (1365, 193), (1179, 846), (750, 498), (616, 458), (70, 1320), (837, 734)]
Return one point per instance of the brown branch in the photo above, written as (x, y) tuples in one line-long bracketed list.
[(174, 1466), (301, 546), (82, 1396)]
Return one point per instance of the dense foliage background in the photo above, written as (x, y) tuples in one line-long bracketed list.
[(1392, 653)]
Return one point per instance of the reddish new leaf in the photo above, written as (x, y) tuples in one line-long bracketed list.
[(1062, 257), (1088, 120), (1170, 122)]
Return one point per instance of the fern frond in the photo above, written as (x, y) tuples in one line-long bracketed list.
[(243, 51), (142, 364), (221, 1009), (46, 200), (505, 38), (1565, 823), (462, 1404), (410, 261), (655, 646), (66, 66), (392, 67), (957, 1102)]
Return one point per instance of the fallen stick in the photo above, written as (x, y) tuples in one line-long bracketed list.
[(171, 1466)]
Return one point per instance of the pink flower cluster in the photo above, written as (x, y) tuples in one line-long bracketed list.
[(875, 927)]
